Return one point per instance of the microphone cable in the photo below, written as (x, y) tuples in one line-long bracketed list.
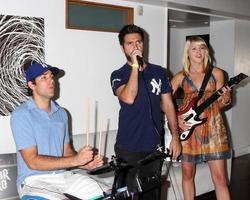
[(150, 105)]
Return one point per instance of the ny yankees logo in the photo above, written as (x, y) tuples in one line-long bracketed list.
[(156, 86)]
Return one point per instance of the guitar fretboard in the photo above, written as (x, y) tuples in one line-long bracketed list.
[(206, 103)]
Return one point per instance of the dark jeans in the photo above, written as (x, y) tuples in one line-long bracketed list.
[(127, 177)]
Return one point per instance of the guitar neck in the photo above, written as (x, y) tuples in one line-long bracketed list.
[(207, 102)]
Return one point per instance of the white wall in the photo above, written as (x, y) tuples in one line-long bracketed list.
[(87, 57), (231, 41), (241, 110), (222, 39)]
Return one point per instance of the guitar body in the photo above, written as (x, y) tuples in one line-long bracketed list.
[(191, 117)]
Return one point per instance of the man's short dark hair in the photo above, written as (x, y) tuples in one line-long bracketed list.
[(127, 29), (25, 67), (29, 90)]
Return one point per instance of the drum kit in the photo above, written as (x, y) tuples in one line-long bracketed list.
[(143, 183)]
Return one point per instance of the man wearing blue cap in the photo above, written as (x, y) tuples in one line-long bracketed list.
[(40, 130)]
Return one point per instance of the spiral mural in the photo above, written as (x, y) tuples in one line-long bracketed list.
[(21, 42)]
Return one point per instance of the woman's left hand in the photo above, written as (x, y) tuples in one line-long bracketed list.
[(225, 97)]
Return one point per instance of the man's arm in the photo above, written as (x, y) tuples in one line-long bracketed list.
[(128, 92), (176, 82), (42, 162), (167, 106), (68, 150)]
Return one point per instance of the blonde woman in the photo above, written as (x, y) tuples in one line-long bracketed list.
[(209, 141)]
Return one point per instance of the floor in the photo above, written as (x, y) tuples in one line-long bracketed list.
[(240, 180)]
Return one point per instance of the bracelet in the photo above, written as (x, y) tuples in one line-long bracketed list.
[(227, 103), (134, 65)]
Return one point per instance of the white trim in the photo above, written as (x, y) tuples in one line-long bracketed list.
[(241, 151), (200, 12), (11, 198), (165, 39)]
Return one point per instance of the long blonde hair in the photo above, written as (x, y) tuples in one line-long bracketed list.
[(185, 58)]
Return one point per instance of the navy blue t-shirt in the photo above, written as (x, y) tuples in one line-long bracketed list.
[(139, 123)]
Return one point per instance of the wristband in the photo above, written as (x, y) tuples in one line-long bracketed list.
[(226, 103), (134, 65)]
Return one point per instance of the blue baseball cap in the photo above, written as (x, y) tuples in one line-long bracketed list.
[(37, 69)]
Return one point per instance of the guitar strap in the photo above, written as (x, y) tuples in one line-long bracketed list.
[(204, 82)]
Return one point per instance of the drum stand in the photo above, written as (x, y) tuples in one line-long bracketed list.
[(118, 166), (121, 193), (143, 183)]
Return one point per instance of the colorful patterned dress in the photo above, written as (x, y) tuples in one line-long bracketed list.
[(208, 141)]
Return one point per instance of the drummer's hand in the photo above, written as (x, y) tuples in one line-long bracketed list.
[(96, 162), (84, 156)]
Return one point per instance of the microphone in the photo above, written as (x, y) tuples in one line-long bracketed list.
[(139, 60)]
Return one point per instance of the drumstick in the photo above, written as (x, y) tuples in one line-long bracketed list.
[(87, 123), (100, 136)]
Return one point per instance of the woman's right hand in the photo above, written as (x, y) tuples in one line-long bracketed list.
[(184, 125)]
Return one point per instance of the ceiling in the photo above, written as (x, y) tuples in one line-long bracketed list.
[(184, 19)]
